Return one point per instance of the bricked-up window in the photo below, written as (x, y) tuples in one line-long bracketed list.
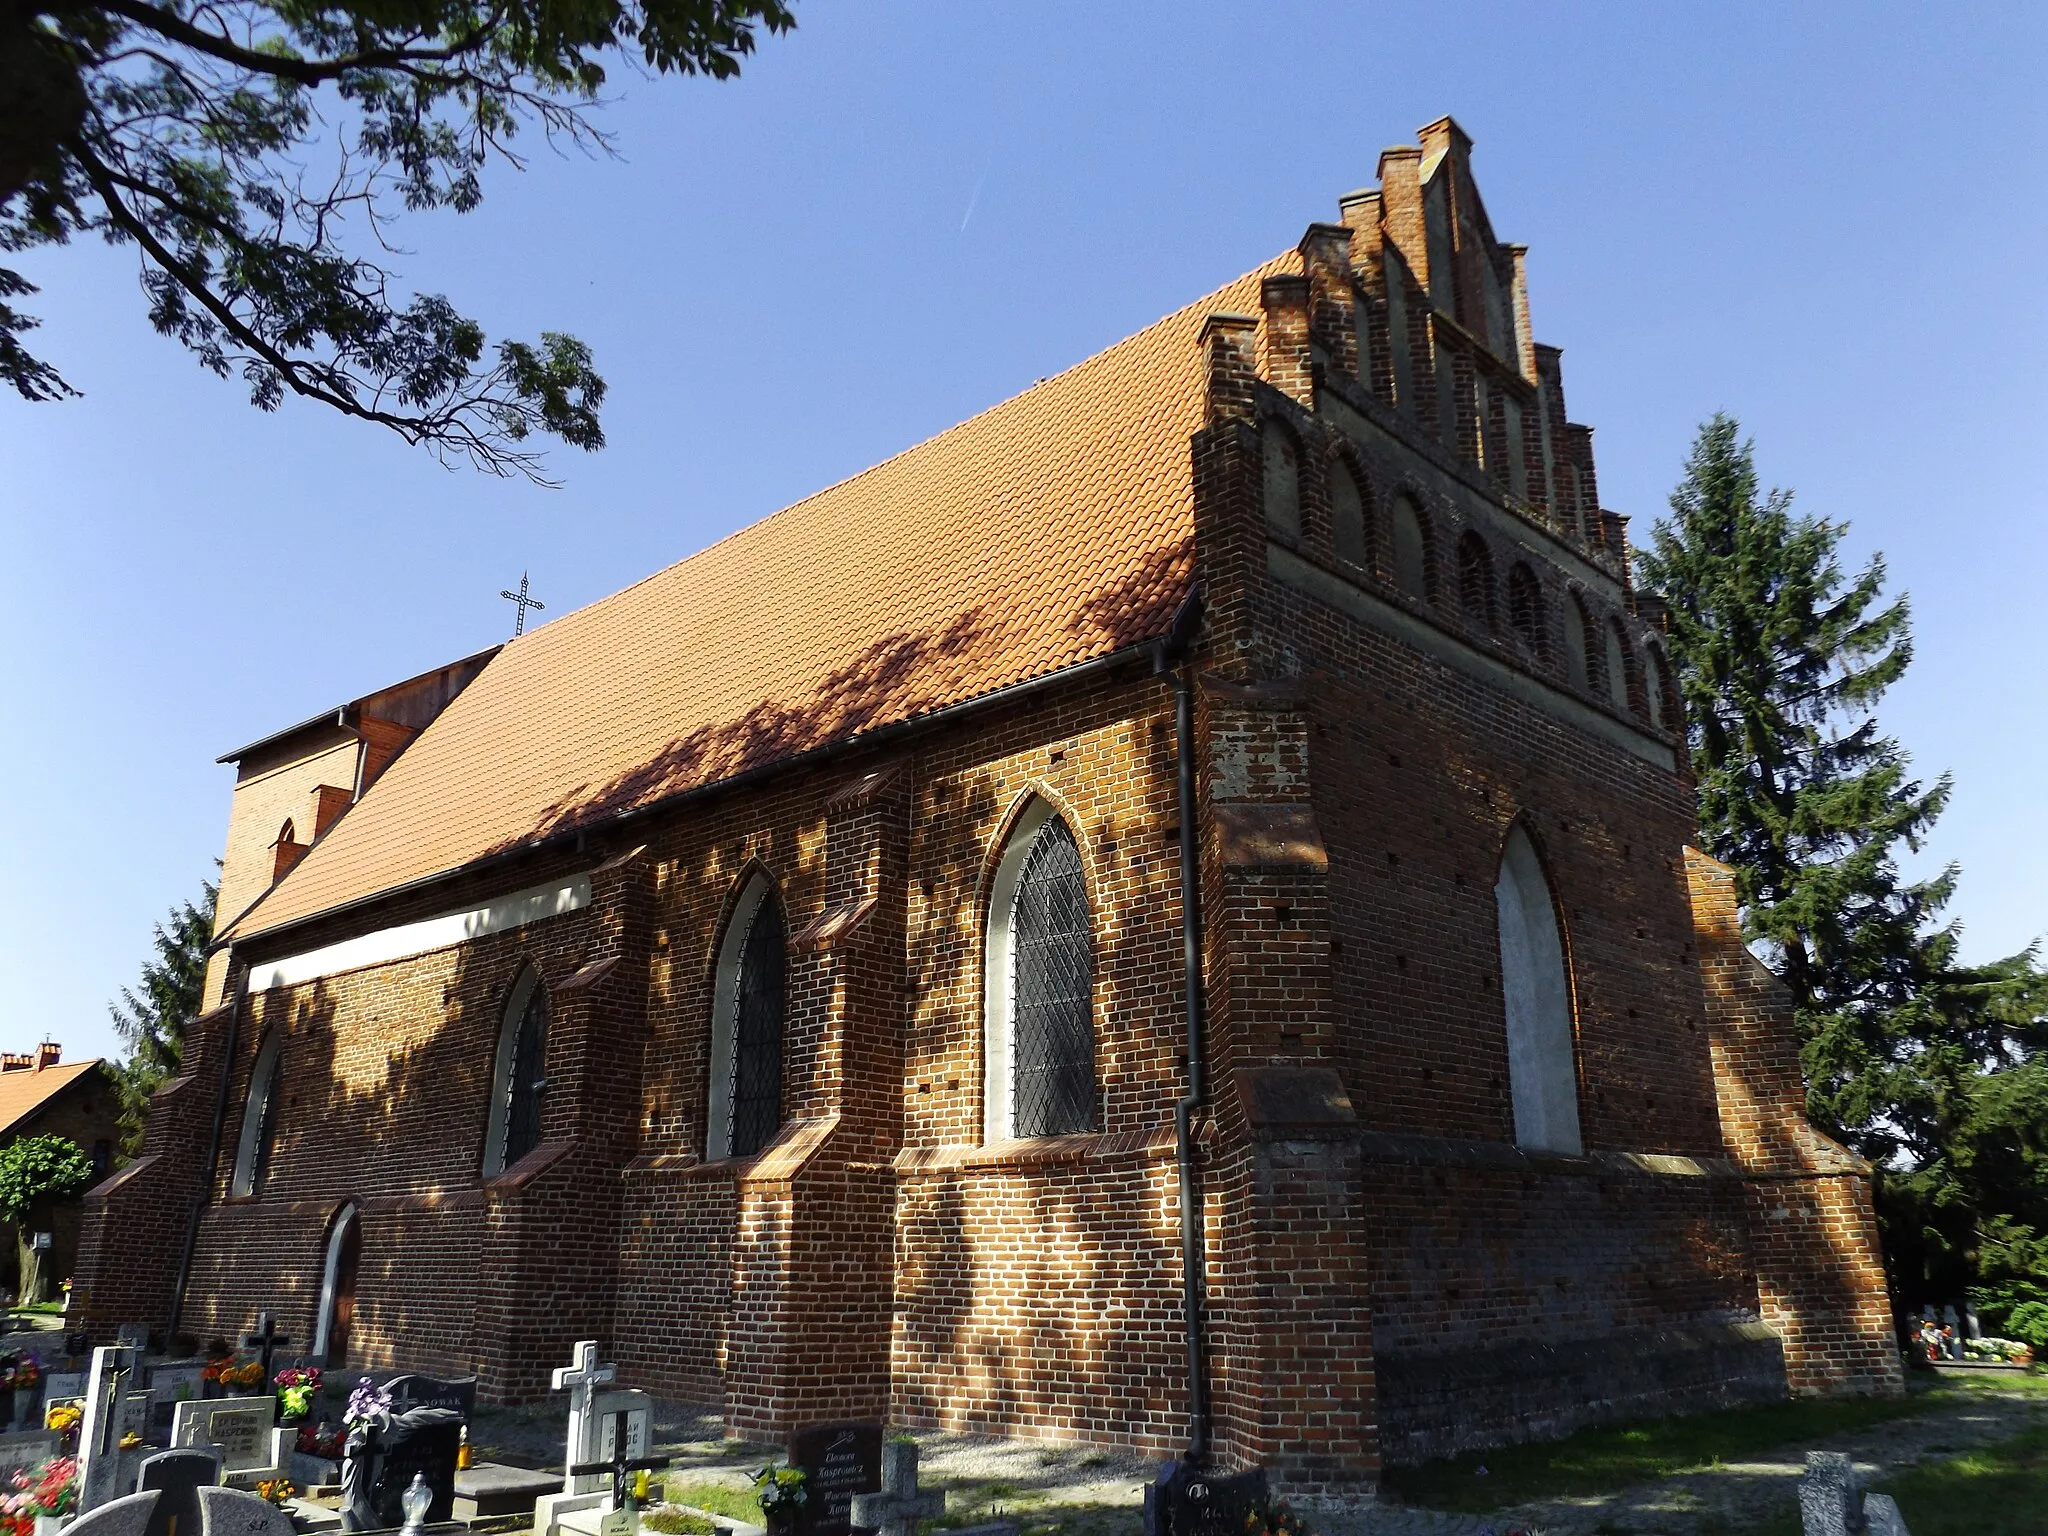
[(1536, 998), (1412, 565), (259, 1120), (1475, 580), (1657, 689), (1351, 527), (744, 1104), (1578, 644), (1617, 664), (1282, 456), (1040, 971), (1525, 610)]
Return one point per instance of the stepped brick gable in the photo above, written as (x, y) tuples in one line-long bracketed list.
[(783, 971)]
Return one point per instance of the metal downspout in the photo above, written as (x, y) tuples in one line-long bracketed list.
[(1175, 648)]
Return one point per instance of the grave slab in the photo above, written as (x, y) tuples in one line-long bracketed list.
[(25, 1449), (231, 1512), (839, 1461), (127, 1516), (177, 1476), (488, 1488), (240, 1426)]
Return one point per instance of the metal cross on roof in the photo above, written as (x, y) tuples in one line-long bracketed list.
[(524, 602)]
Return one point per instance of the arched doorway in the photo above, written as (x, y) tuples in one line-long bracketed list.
[(338, 1288)]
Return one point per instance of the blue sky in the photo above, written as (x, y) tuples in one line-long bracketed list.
[(1826, 219)]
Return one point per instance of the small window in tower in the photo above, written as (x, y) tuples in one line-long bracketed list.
[(1525, 611), (1352, 528), (1656, 689), (1283, 479), (1475, 580), (1411, 551), (1579, 662)]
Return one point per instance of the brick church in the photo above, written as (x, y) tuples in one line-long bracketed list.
[(1161, 915)]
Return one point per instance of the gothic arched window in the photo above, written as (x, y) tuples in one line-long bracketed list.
[(1040, 981), (1475, 580), (519, 1075), (1536, 994), (259, 1120), (1282, 457), (1657, 689), (1411, 551), (745, 1109), (1351, 528), (1525, 610)]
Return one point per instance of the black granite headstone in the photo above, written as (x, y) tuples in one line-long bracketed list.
[(413, 1390), (177, 1476), (423, 1441), (838, 1461), (1186, 1501)]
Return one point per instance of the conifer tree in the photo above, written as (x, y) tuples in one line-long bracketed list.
[(153, 1020), (1927, 1067)]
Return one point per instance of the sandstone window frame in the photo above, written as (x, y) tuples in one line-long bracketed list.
[(999, 975), (758, 892), (346, 1222), (501, 1146), (258, 1138), (1537, 1002)]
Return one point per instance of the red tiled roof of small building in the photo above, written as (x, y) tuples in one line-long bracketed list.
[(25, 1090), (1050, 530)]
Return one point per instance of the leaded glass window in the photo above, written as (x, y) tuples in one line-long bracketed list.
[(1051, 991), (527, 1080), (756, 1083)]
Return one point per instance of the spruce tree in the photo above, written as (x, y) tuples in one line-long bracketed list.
[(152, 1020), (1921, 1064)]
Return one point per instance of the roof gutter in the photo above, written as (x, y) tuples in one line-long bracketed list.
[(826, 753)]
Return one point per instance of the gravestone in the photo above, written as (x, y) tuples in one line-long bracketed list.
[(177, 1476), (413, 1390), (240, 1426), (106, 1414), (170, 1385), (132, 1336), (29, 1448), (231, 1512), (638, 1408), (127, 1516), (419, 1442), (896, 1510), (838, 1461), (58, 1384), (1187, 1501)]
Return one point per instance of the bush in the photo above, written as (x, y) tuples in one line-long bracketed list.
[(2028, 1322)]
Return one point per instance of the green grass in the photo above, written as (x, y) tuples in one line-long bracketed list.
[(2001, 1490), (43, 1308), (1601, 1460), (718, 1499), (675, 1522)]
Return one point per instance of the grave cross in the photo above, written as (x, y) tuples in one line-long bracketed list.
[(265, 1340), (620, 1464), (524, 602), (899, 1506), (580, 1379)]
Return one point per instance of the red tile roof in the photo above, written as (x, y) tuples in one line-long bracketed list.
[(1045, 532), (25, 1090)]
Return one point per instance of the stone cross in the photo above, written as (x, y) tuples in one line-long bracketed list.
[(580, 1379), (899, 1506), (265, 1340), (99, 1436)]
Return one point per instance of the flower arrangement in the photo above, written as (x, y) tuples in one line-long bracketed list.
[(276, 1490), (1278, 1520), (230, 1372), (64, 1418), (20, 1371), (2012, 1350), (781, 1490), (296, 1385), (323, 1442), (50, 1489), (369, 1405)]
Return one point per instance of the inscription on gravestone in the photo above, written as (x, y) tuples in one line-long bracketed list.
[(240, 1426), (413, 1390), (838, 1461), (421, 1441)]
